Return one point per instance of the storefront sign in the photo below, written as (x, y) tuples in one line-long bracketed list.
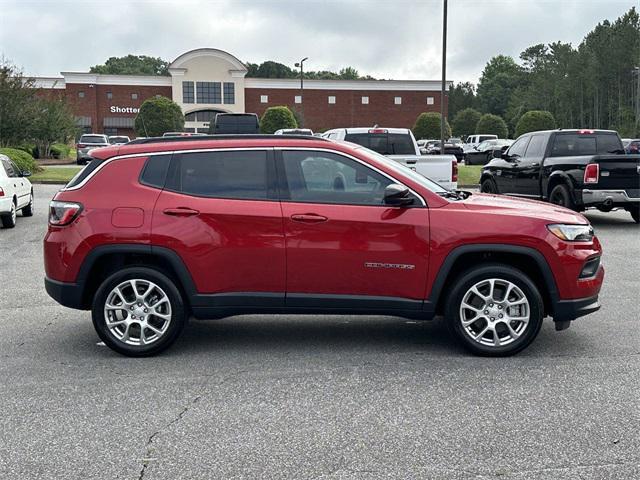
[(115, 109)]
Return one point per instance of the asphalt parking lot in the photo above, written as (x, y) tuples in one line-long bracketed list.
[(316, 397)]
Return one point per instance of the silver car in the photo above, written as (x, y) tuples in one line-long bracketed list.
[(88, 142)]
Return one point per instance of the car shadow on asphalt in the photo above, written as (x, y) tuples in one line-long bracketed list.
[(598, 219)]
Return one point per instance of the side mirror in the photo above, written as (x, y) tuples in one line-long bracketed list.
[(25, 173), (397, 195), (497, 154)]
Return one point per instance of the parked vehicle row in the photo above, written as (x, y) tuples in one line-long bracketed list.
[(577, 169), (483, 153), (160, 229)]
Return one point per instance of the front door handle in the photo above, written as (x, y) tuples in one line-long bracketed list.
[(180, 212), (308, 218)]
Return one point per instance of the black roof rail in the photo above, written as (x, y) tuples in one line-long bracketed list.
[(191, 138)]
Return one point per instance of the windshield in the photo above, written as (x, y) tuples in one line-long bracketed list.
[(93, 139), (403, 171), (384, 143)]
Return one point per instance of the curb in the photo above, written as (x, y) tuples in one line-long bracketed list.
[(48, 182)]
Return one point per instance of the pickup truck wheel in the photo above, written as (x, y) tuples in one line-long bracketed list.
[(489, 186), (635, 213), (494, 310), (138, 312), (9, 220), (561, 196)]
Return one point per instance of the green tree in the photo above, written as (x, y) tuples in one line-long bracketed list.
[(133, 65), (427, 126), (275, 118), (535, 120), (158, 115), (500, 77), (494, 124), (464, 123), (462, 96), (53, 122), (271, 69), (17, 96), (349, 73)]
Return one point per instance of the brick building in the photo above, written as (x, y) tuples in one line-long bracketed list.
[(207, 81)]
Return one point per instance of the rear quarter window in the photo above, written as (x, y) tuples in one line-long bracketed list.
[(154, 173)]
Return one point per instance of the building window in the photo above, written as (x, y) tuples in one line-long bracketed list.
[(365, 100), (297, 99), (430, 100), (187, 92), (264, 98), (80, 94), (229, 93), (109, 95), (332, 99), (397, 100), (208, 92), (134, 96), (110, 131)]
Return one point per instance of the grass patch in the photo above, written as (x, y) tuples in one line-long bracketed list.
[(469, 174), (60, 175)]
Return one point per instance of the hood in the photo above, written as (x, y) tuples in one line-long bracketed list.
[(504, 205)]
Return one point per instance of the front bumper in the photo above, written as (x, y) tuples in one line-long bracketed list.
[(66, 294), (566, 310), (615, 197)]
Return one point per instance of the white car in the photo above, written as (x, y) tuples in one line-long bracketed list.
[(118, 139), (294, 131), (473, 141), (399, 145), (16, 192)]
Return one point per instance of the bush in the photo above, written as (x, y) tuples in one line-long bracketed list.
[(22, 159), (30, 148), (427, 126), (492, 124), (535, 120), (158, 115), (465, 122), (60, 150), (275, 118)]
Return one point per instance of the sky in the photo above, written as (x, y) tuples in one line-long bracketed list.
[(386, 39)]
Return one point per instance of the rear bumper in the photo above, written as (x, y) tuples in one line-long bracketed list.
[(5, 204), (66, 294), (571, 309), (614, 197)]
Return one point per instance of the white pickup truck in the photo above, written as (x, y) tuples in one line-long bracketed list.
[(399, 145)]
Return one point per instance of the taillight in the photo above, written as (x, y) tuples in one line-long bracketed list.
[(377, 130), (63, 213), (80, 145), (585, 132), (454, 170), (592, 173), (1, 192)]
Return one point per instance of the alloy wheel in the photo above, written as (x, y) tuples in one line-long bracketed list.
[(137, 312), (494, 312)]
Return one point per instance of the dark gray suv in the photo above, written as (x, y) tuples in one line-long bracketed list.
[(86, 143)]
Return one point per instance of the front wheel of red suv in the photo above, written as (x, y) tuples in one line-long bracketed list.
[(494, 310), (138, 312)]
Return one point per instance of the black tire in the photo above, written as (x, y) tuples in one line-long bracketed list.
[(489, 186), (635, 214), (166, 286), (503, 273), (9, 220), (561, 196), (467, 160), (28, 210)]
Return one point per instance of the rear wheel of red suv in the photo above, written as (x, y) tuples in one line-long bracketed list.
[(138, 312), (494, 310)]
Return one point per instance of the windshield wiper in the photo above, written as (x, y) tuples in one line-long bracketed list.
[(455, 194)]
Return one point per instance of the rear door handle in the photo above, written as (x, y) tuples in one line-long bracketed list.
[(308, 218), (180, 212)]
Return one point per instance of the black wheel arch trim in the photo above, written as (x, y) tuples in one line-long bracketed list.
[(560, 176), (447, 265)]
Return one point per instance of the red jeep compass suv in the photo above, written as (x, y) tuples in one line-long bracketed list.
[(152, 232)]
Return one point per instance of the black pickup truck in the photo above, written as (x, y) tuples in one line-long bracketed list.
[(577, 169)]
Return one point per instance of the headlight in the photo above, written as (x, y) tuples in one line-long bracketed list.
[(572, 233)]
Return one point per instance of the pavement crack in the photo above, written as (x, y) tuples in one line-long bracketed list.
[(148, 457)]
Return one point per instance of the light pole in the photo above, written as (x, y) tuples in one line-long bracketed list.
[(301, 65), (444, 75)]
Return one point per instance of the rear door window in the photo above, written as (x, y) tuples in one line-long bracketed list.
[(244, 175)]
